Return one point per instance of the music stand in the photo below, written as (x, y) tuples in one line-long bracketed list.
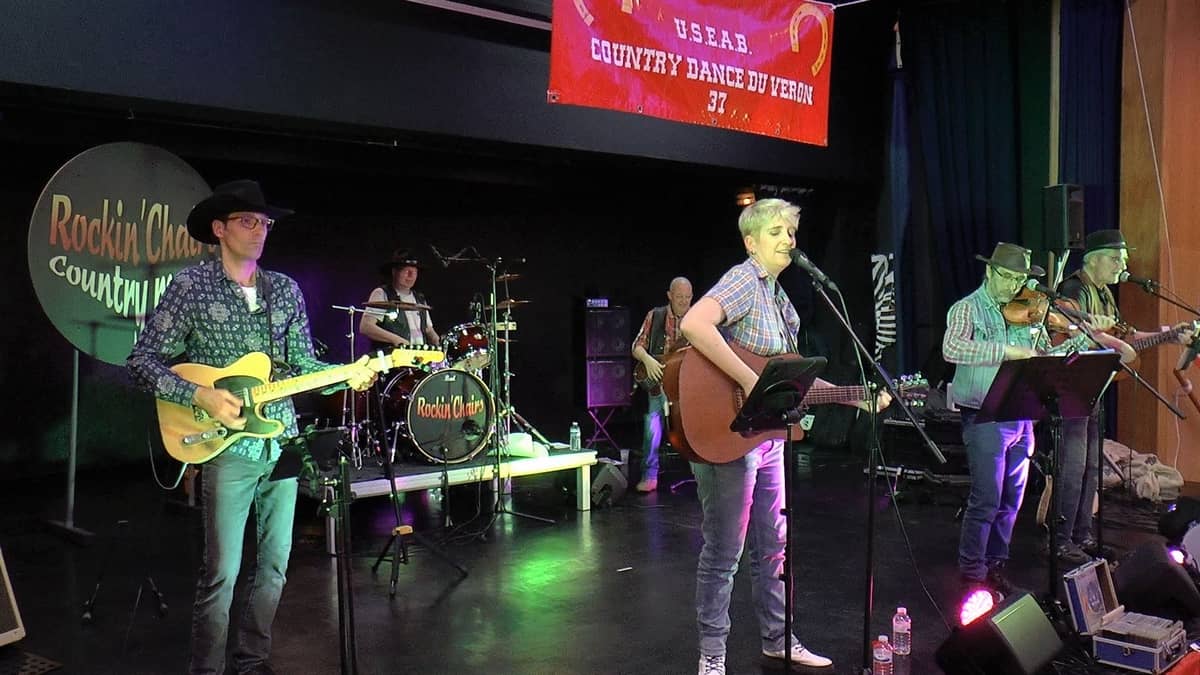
[(1049, 388), (775, 403)]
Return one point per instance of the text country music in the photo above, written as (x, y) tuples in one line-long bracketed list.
[(125, 297)]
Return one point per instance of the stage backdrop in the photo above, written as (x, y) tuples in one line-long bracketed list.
[(760, 66), (105, 237)]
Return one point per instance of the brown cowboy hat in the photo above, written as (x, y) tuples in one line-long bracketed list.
[(1105, 239), (1014, 258), (238, 195), (400, 258)]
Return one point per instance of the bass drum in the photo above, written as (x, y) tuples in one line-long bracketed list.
[(446, 416)]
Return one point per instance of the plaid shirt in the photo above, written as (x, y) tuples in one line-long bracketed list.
[(204, 314), (671, 335), (758, 313), (976, 334)]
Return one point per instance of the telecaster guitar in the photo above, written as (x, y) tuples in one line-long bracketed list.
[(192, 436), (703, 402)]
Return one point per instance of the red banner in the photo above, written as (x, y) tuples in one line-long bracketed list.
[(760, 66)]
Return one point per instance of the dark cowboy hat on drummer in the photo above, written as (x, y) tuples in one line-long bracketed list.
[(400, 258), (1014, 258), (231, 197), (1105, 239)]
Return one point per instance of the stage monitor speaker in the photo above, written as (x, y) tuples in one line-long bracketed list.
[(1149, 582), (607, 332), (609, 383), (1014, 639), (609, 485), (12, 628), (1062, 206), (1175, 523)]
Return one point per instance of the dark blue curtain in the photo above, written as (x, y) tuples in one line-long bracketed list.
[(961, 63), (1090, 106)]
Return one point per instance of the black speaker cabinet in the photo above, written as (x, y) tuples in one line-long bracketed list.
[(609, 382), (608, 332), (1016, 638), (11, 627), (1062, 206), (609, 485)]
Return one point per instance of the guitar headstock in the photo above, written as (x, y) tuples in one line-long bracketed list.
[(914, 389), (403, 357)]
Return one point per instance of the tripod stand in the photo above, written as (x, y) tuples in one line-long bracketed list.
[(89, 606)]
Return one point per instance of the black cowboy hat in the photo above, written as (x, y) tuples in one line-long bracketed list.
[(400, 258), (238, 195), (1014, 258), (1105, 239)]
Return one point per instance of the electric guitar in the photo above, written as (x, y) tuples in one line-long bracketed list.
[(703, 401), (192, 436)]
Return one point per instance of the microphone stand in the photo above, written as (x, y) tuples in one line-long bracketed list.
[(874, 455)]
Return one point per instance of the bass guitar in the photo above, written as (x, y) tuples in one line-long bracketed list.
[(703, 401), (192, 436)]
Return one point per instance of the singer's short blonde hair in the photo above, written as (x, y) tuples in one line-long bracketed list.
[(764, 212)]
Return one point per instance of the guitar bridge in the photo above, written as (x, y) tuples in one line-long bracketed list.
[(213, 434)]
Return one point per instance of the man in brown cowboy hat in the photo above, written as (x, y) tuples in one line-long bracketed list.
[(1105, 258), (216, 312), (978, 340), (407, 326)]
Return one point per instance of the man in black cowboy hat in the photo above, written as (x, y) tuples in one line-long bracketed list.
[(1105, 258), (214, 313), (408, 326), (978, 339)]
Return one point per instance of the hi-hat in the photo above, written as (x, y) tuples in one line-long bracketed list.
[(396, 304), (507, 304), (508, 277)]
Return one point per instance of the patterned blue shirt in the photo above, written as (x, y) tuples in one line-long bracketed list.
[(204, 316), (758, 313)]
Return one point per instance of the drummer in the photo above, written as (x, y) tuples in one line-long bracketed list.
[(410, 327)]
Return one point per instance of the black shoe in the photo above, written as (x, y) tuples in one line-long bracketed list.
[(1071, 555), (998, 581), (1091, 547)]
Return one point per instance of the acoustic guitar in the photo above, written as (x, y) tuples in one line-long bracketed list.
[(192, 436), (704, 400)]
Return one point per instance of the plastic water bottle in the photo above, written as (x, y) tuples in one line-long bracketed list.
[(901, 632), (881, 656), (575, 440)]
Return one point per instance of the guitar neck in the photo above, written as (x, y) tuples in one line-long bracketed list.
[(838, 394), (1153, 340), (272, 391)]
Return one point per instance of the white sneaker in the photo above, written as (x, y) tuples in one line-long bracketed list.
[(711, 665), (647, 485), (801, 656)]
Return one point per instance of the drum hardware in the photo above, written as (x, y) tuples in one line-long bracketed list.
[(507, 277), (397, 305), (505, 305)]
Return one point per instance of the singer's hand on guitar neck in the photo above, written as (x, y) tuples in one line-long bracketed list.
[(222, 405)]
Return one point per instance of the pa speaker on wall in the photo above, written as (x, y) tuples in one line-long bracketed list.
[(11, 627), (607, 332), (1015, 638), (1062, 206), (609, 383)]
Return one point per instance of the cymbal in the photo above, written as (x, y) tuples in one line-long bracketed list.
[(507, 304), (508, 277), (396, 304)]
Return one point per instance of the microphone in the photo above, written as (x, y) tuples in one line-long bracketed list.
[(815, 272), (1148, 284), (1035, 285)]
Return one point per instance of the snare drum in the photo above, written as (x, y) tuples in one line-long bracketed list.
[(466, 347), (445, 416)]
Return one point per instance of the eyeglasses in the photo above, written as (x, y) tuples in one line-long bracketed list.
[(251, 221), (1009, 276)]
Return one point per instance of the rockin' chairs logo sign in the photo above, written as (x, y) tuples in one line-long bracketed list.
[(760, 66), (105, 237)]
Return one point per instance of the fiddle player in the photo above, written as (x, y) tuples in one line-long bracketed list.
[(1106, 256), (409, 327), (978, 339)]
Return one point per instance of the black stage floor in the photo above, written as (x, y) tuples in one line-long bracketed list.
[(606, 591)]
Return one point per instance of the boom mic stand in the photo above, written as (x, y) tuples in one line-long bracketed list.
[(874, 455)]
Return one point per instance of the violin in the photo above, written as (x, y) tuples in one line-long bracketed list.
[(1030, 307)]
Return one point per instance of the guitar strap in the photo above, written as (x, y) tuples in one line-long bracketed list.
[(781, 301), (658, 331)]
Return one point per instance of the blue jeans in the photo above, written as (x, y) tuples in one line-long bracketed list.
[(741, 503), (998, 458), (1076, 479), (231, 484), (652, 433)]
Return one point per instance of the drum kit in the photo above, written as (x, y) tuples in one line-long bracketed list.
[(439, 413)]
